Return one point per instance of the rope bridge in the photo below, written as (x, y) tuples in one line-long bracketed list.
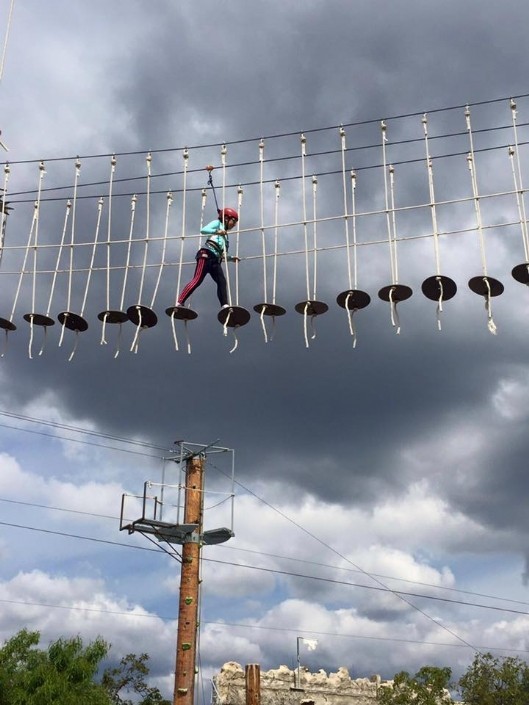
[(108, 240)]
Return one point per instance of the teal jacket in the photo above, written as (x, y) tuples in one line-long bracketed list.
[(216, 242)]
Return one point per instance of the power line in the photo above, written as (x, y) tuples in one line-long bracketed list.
[(380, 588), (274, 555), (356, 123)]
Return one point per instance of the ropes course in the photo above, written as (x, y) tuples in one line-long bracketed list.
[(313, 219)]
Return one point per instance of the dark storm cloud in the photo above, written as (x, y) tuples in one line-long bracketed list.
[(222, 71)]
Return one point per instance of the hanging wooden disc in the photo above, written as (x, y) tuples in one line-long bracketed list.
[(353, 299), (479, 286), (7, 325), (39, 319), (233, 316), (113, 316), (311, 308), (269, 310), (439, 288), (181, 313), (72, 321), (521, 273), (395, 293), (141, 315)]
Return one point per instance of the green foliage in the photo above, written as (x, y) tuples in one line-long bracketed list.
[(495, 681), (427, 687), (66, 674), (130, 676), (63, 674)]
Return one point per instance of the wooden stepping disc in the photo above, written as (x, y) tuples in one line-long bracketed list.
[(113, 316), (141, 315), (395, 293), (7, 325), (479, 286), (439, 288), (181, 313), (233, 316), (353, 299), (39, 319), (269, 310), (72, 321), (521, 273), (311, 308)]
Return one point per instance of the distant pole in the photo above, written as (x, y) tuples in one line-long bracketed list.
[(189, 585), (253, 684)]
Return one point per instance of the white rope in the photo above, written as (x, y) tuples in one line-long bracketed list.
[(439, 308), (223, 152), (185, 156), (42, 171), (350, 313), (7, 171), (475, 191), (164, 247), (277, 188), (431, 189), (315, 234), (386, 200), (261, 208), (518, 183), (395, 322), (129, 247), (148, 160), (4, 50), (26, 255), (173, 328), (59, 254), (488, 306), (92, 257), (353, 198), (71, 249), (303, 141), (345, 210), (237, 242), (113, 162)]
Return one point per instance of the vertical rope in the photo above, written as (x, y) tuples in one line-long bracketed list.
[(303, 141), (223, 153), (277, 189), (315, 234), (109, 224), (7, 171), (345, 210), (129, 247), (59, 255), (472, 168), (353, 199), (26, 255), (148, 160), (185, 157), (383, 128), (71, 248), (261, 209), (92, 257), (433, 210), (518, 183), (164, 247), (237, 240), (42, 171)]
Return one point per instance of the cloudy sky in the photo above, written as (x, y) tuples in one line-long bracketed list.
[(396, 466)]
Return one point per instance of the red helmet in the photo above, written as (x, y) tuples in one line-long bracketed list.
[(228, 213)]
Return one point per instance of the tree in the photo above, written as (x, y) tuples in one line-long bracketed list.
[(63, 674), (495, 681), (429, 686), (130, 676), (66, 674)]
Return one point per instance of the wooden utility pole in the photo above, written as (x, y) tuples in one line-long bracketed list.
[(189, 584), (253, 684)]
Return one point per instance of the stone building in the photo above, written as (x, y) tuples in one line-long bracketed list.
[(280, 687)]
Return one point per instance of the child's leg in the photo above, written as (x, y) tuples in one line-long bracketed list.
[(217, 274), (201, 270)]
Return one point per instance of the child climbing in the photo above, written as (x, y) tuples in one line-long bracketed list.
[(210, 257)]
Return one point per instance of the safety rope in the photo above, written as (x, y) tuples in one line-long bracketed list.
[(475, 192), (518, 182), (59, 254), (71, 248), (7, 171), (261, 210), (113, 162), (345, 210), (42, 171), (435, 229)]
